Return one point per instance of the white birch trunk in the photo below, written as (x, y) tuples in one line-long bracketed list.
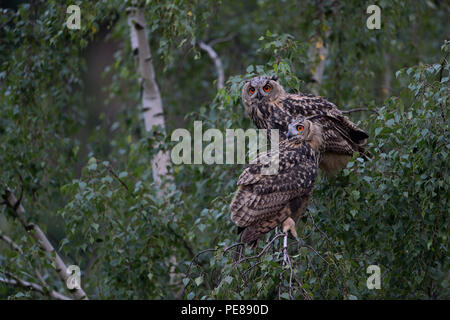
[(151, 97), (319, 50)]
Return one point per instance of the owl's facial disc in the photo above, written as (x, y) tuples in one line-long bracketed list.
[(297, 128), (261, 89)]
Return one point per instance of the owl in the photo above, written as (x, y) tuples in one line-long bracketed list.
[(262, 202), (271, 107)]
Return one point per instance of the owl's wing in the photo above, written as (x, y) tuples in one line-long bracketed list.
[(309, 105), (262, 197), (337, 134)]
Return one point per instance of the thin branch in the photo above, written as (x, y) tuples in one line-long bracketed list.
[(292, 275), (196, 261), (16, 281), (232, 246), (11, 243), (263, 250), (17, 248), (360, 109), (212, 43), (36, 232), (217, 62), (111, 170)]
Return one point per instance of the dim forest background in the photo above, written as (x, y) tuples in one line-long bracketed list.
[(76, 157)]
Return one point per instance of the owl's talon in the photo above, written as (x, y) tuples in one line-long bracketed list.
[(289, 225)]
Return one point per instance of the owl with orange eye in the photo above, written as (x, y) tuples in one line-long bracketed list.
[(263, 202), (271, 107)]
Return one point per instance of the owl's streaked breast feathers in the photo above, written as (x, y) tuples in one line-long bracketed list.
[(264, 201)]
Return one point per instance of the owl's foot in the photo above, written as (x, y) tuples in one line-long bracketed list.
[(289, 225)]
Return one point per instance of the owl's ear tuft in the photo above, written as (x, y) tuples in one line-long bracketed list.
[(274, 78)]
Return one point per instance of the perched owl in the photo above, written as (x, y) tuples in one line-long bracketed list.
[(270, 107), (263, 202)]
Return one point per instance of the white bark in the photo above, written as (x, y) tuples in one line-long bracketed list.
[(217, 62), (151, 98), (36, 232), (318, 51)]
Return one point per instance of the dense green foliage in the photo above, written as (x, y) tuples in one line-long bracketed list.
[(87, 179)]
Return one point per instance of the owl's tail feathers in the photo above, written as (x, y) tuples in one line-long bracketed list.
[(248, 236), (252, 233)]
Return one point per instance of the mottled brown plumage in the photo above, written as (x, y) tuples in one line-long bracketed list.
[(270, 107), (262, 201)]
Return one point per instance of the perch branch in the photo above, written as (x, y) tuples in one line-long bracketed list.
[(263, 250)]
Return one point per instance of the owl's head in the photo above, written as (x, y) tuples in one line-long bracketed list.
[(261, 89), (303, 129)]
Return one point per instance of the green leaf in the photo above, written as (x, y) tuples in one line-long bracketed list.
[(199, 280)]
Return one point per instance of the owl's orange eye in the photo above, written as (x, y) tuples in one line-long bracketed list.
[(299, 128), (251, 90), (267, 88)]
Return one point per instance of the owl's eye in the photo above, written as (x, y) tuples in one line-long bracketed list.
[(299, 128), (267, 88), (251, 90)]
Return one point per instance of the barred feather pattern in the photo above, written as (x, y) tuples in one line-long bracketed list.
[(342, 137), (263, 202)]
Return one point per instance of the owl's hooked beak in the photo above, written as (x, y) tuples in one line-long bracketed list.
[(259, 96)]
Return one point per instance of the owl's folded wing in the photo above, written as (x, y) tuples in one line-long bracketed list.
[(261, 197)]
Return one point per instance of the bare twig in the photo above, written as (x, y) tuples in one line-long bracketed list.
[(212, 43), (292, 275), (263, 250), (360, 109), (232, 246), (111, 170), (196, 261)]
